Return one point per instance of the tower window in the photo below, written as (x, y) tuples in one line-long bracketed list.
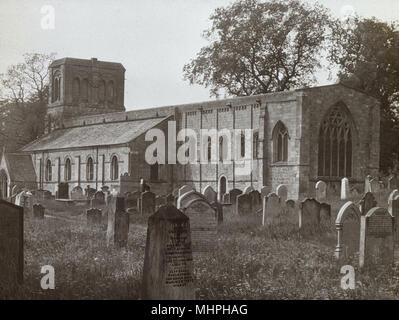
[(209, 149), (114, 168), (242, 144), (221, 157), (89, 169), (255, 145)]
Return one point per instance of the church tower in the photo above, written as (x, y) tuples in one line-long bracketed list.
[(83, 87)]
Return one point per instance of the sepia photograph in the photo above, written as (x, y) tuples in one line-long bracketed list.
[(199, 151)]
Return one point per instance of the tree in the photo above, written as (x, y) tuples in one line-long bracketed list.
[(260, 47), (367, 53), (24, 96)]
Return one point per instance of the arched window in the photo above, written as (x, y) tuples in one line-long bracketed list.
[(110, 91), (209, 144), (221, 156), (49, 171), (114, 168), (67, 170), (242, 144), (85, 90), (255, 145), (3, 184), (280, 142), (76, 89), (101, 91), (335, 144), (154, 172), (89, 169)]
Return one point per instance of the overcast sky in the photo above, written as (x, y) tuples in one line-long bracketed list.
[(153, 39)]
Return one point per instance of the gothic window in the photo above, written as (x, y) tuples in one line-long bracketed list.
[(76, 89), (89, 169), (280, 142), (110, 91), (335, 145), (255, 145), (154, 172), (114, 168), (85, 90), (67, 170), (49, 171), (101, 91), (221, 149), (242, 144), (209, 143)]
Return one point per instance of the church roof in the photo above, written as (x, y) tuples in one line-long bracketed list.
[(20, 168), (104, 134)]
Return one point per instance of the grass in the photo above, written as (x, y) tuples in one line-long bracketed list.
[(249, 262)]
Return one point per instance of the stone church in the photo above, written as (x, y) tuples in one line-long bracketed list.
[(299, 137)]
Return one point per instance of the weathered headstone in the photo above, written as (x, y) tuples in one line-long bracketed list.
[(325, 214), (131, 200), (344, 188), (94, 217), (234, 193), (203, 224), (219, 211), (90, 192), (347, 226), (226, 198), (367, 184), (63, 190), (77, 193), (367, 202), (147, 202), (28, 203), (38, 211), (168, 263), (376, 238), (244, 204), (391, 197), (265, 191), (321, 190), (118, 223), (11, 242), (184, 189), (282, 192), (309, 216), (98, 199), (271, 209), (292, 212), (187, 197), (256, 200), (210, 194), (248, 189)]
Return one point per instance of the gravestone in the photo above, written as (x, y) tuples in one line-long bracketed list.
[(63, 190), (90, 192), (391, 197), (131, 200), (325, 215), (347, 226), (367, 202), (210, 194), (321, 190), (118, 223), (234, 193), (98, 199), (367, 184), (271, 209), (168, 263), (184, 189), (244, 204), (77, 193), (105, 189), (282, 192), (375, 185), (248, 189), (292, 212), (147, 202), (187, 197), (11, 242), (344, 188), (28, 203), (219, 211), (393, 182), (376, 238), (226, 198), (203, 224), (309, 216), (93, 217), (256, 200), (38, 211), (265, 191)]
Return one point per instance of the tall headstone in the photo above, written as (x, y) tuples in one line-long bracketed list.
[(77, 193), (219, 211), (265, 191), (391, 197), (210, 194), (256, 200), (11, 242), (234, 193), (118, 223), (291, 209), (38, 211), (63, 190), (131, 200), (344, 188), (203, 224), (325, 214), (183, 200), (282, 192), (168, 263), (271, 209), (376, 238), (367, 184), (347, 226), (147, 202), (93, 217), (98, 199), (248, 189), (244, 204), (367, 202), (309, 216), (184, 189), (321, 190)]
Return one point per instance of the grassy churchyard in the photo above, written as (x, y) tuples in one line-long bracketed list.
[(250, 261)]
